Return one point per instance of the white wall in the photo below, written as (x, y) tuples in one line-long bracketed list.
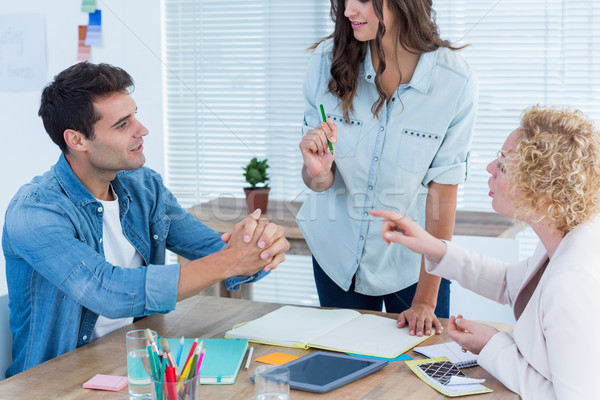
[(471, 305), (130, 39)]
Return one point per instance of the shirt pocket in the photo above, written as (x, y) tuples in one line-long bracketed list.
[(348, 135), (159, 230), (417, 149)]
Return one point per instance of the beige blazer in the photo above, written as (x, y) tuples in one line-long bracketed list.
[(554, 349)]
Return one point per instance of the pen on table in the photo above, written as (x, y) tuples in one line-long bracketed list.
[(249, 357), (325, 120)]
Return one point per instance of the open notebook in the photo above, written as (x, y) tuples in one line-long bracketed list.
[(337, 330)]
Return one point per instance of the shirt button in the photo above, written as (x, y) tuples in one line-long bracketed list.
[(370, 187), (84, 337), (99, 209), (155, 237), (366, 214), (381, 128), (376, 158), (368, 76), (362, 237), (100, 240)]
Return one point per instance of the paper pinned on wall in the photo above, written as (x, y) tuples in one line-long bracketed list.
[(88, 6), (83, 51), (22, 52), (94, 29)]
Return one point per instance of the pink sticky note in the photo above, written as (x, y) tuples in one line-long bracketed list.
[(106, 382)]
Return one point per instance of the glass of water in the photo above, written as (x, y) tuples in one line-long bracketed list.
[(138, 364), (271, 383)]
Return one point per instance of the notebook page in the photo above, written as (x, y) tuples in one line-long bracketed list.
[(291, 325), (369, 335)]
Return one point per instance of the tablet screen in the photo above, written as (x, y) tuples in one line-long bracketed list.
[(321, 372), (322, 369)]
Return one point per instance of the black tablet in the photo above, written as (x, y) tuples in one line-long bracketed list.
[(321, 372)]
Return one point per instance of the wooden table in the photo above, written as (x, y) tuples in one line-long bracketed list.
[(211, 317), (223, 213)]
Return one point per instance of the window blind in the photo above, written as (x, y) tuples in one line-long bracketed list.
[(524, 53), (234, 91)]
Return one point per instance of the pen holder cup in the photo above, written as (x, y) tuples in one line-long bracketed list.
[(186, 389)]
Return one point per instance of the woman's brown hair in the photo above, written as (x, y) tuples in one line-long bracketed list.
[(417, 32)]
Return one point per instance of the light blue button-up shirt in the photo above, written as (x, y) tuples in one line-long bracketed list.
[(423, 134), (58, 279)]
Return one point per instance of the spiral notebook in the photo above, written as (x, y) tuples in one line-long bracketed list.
[(452, 351), (446, 378)]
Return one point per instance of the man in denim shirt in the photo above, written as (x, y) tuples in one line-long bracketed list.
[(57, 238)]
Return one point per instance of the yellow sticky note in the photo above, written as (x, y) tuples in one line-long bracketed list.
[(276, 358)]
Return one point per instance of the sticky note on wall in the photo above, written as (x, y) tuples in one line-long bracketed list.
[(94, 29), (88, 6), (83, 51)]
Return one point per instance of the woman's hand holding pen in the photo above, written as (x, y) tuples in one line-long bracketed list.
[(318, 168), (315, 148), (403, 230)]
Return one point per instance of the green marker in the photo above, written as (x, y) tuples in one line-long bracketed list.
[(325, 120)]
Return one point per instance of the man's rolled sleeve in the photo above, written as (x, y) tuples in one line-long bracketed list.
[(161, 288), (235, 282)]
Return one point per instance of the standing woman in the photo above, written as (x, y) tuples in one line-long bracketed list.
[(400, 106)]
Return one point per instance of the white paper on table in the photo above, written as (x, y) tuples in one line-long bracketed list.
[(461, 380)]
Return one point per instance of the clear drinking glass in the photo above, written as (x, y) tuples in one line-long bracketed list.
[(271, 383), (138, 364)]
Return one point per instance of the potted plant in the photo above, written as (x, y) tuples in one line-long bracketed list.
[(256, 174)]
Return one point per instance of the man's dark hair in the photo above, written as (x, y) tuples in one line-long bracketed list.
[(67, 102)]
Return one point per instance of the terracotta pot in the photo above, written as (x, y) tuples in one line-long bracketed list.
[(257, 198)]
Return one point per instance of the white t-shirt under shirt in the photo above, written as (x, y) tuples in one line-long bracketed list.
[(117, 251)]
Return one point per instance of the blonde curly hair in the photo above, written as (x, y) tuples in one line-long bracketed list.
[(555, 169)]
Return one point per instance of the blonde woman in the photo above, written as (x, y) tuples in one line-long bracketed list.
[(548, 176)]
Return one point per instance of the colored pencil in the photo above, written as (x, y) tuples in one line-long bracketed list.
[(191, 353), (186, 370), (180, 349), (200, 360)]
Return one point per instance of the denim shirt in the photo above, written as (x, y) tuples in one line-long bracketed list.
[(423, 134), (58, 279)]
